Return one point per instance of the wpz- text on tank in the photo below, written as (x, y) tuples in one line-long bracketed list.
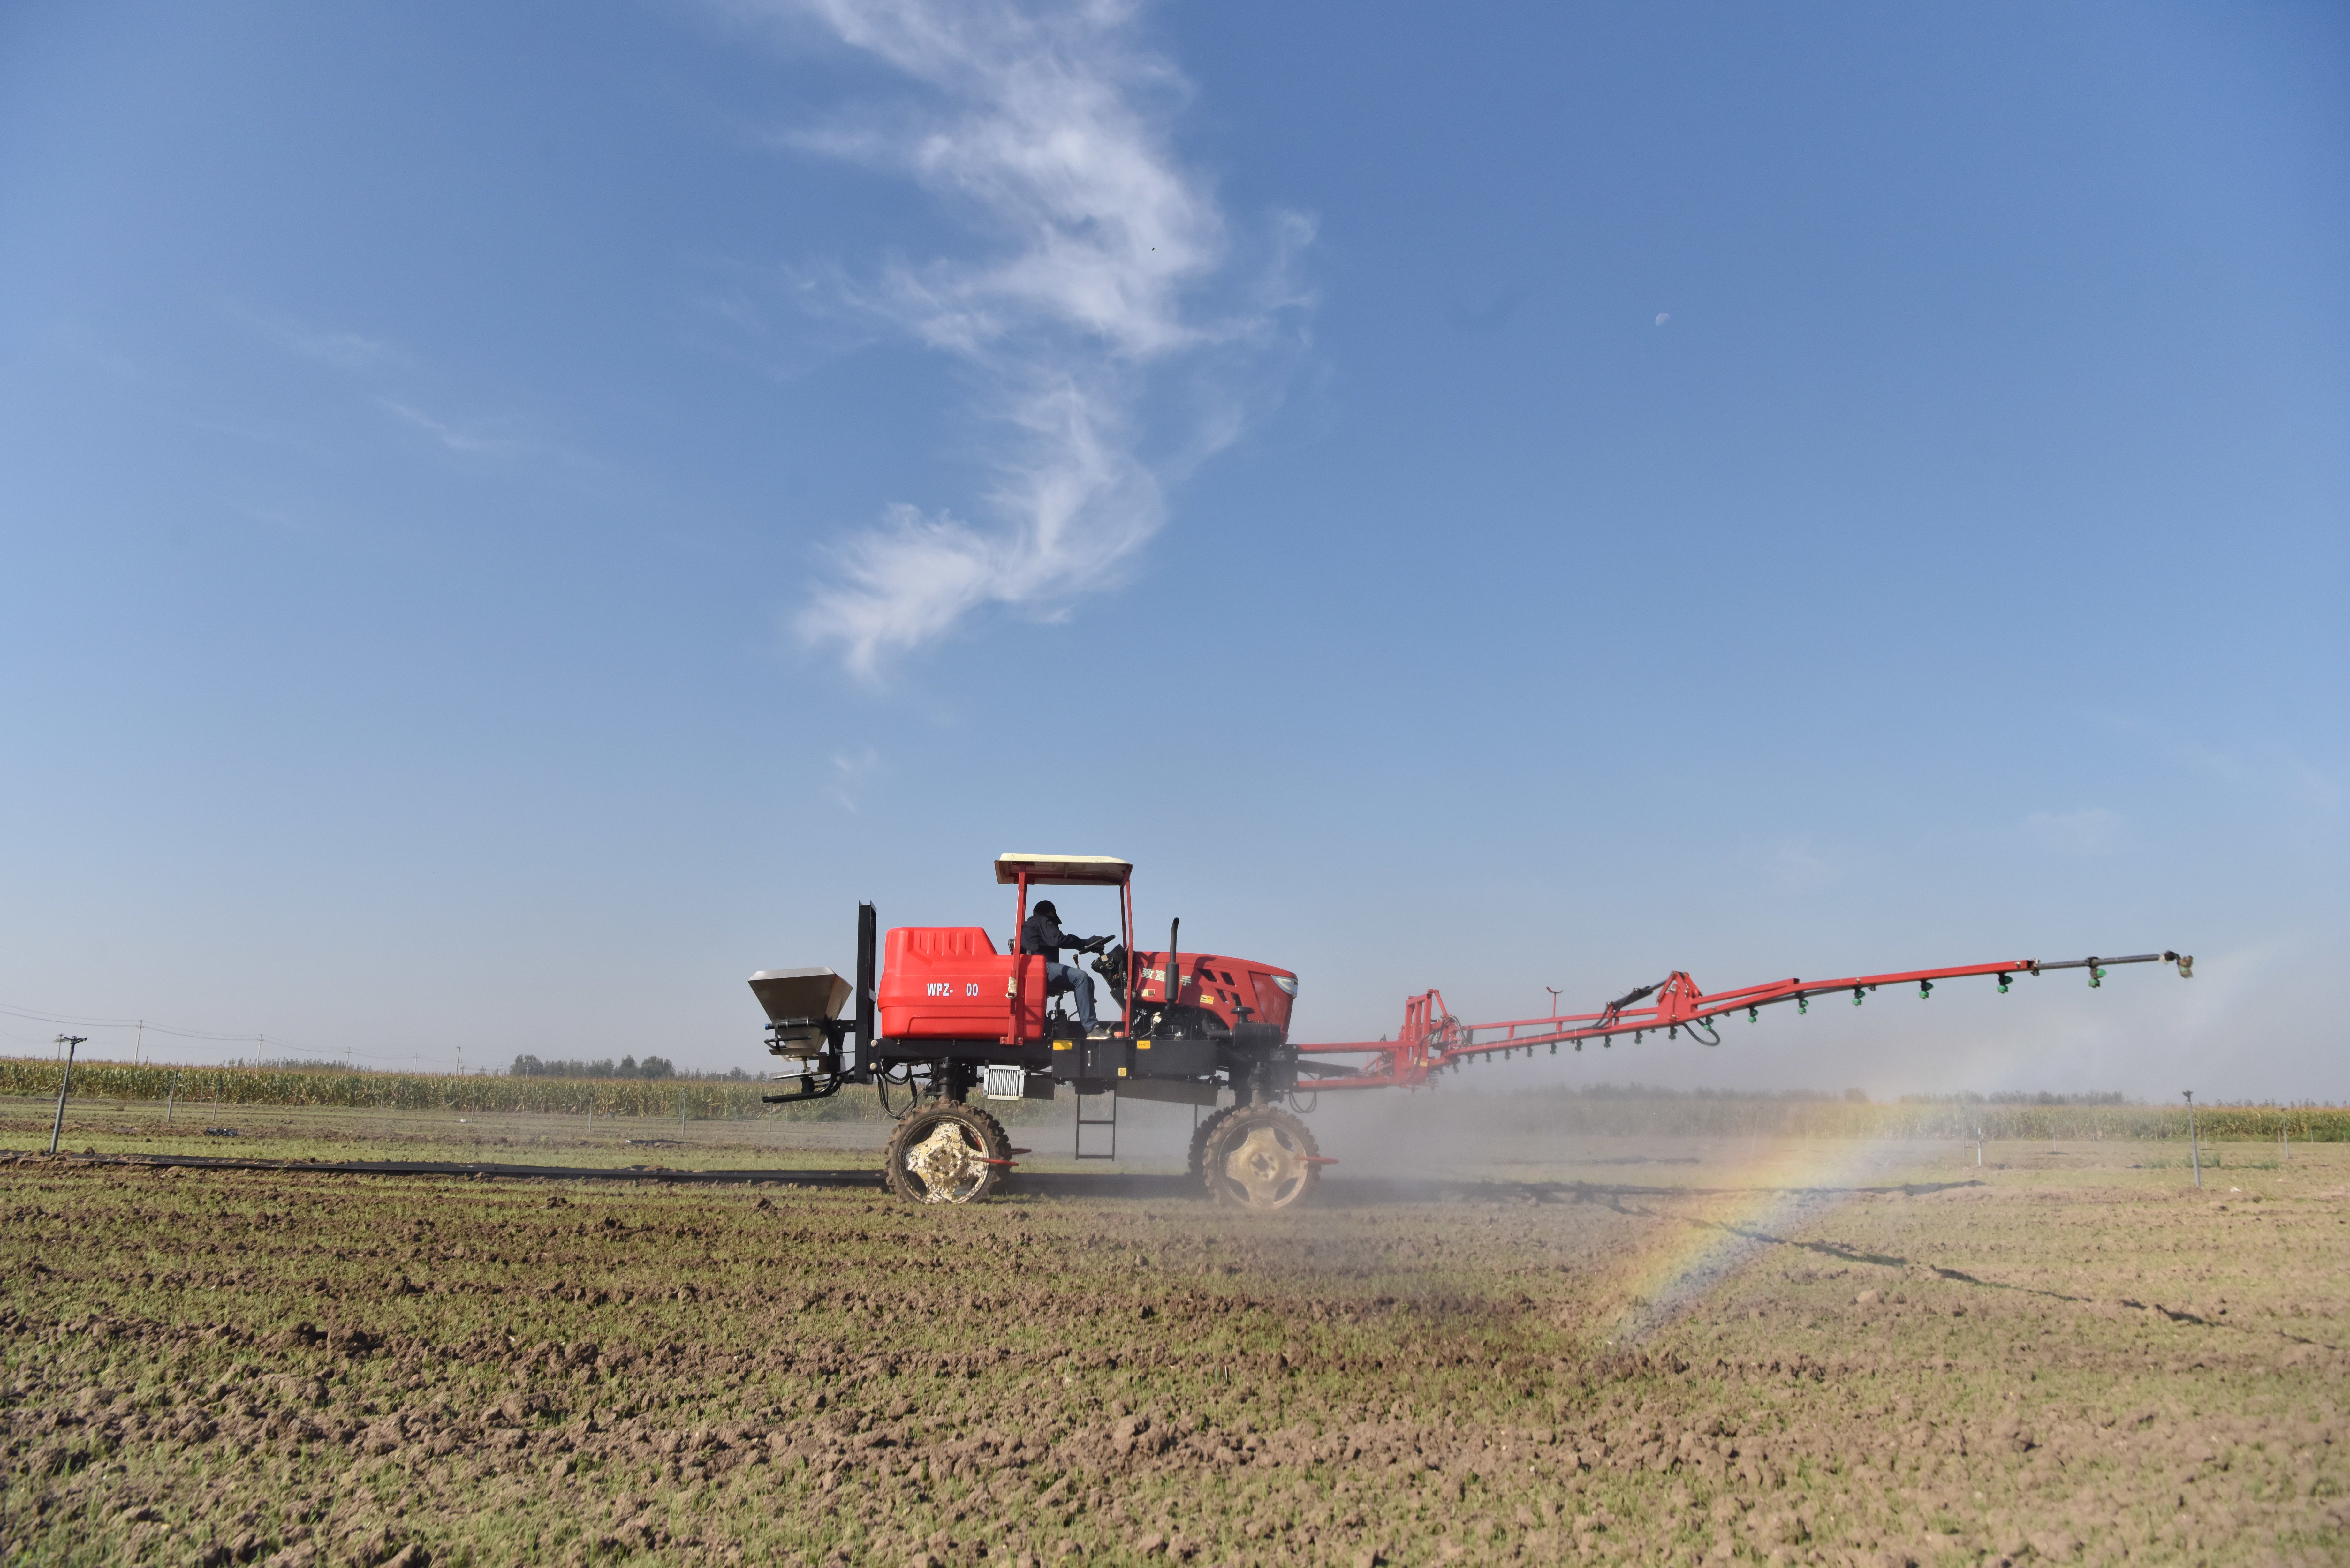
[(946, 988)]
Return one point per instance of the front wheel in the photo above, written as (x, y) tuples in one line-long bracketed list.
[(946, 1153), (1201, 1137), (1258, 1157)]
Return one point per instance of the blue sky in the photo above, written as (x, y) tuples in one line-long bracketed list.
[(516, 517)]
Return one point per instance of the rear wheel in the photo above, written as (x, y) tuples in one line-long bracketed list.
[(1258, 1158), (946, 1153)]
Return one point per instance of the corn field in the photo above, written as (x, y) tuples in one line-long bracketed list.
[(1565, 1112), (421, 1091)]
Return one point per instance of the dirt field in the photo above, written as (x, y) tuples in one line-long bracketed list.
[(1620, 1351)]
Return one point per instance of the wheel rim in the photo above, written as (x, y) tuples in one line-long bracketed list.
[(1267, 1167), (946, 1167)]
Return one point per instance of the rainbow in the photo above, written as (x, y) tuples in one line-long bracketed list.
[(1719, 1230)]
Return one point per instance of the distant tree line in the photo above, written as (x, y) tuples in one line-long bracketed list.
[(629, 1067)]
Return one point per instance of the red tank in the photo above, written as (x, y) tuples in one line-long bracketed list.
[(948, 982)]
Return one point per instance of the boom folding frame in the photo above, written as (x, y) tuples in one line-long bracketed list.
[(1432, 1040)]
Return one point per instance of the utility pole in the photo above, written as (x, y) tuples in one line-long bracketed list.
[(138, 1040), (57, 1129), (2194, 1150)]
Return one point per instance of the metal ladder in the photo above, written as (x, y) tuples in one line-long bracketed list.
[(1109, 1121)]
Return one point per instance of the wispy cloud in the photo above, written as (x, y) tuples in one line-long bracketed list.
[(1798, 864), (338, 347), (448, 435), (2091, 831), (345, 350), (373, 367), (851, 770), (1099, 262)]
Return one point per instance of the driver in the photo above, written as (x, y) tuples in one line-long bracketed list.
[(1042, 935)]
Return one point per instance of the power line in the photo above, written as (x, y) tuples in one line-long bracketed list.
[(88, 1022), (144, 1026)]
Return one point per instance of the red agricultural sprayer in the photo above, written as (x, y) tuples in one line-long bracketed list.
[(945, 1013)]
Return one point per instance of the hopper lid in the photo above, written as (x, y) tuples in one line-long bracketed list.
[(794, 993)]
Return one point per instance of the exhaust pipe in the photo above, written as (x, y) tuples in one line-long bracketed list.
[(866, 921)]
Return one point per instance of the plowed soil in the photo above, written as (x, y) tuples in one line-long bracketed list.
[(1947, 1365)]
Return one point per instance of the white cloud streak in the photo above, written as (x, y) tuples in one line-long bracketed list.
[(2094, 830), (448, 435), (338, 347), (1045, 131), (344, 350)]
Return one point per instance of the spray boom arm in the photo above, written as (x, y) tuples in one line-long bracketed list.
[(1433, 1040)]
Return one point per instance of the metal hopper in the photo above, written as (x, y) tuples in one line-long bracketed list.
[(800, 1003)]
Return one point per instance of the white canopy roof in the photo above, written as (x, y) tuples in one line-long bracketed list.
[(1065, 871)]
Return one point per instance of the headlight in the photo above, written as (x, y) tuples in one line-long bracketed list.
[(1288, 983)]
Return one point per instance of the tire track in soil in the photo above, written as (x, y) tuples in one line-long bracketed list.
[(239, 1365)]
